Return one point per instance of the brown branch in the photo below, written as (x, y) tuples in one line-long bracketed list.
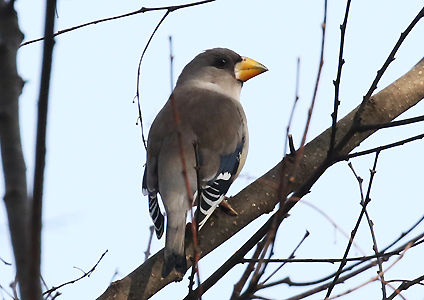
[(14, 169), (261, 196)]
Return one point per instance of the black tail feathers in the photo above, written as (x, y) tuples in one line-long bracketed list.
[(174, 261)]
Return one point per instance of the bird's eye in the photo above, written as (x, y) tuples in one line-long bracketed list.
[(220, 63)]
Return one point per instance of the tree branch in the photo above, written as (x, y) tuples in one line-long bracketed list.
[(40, 154), (14, 168)]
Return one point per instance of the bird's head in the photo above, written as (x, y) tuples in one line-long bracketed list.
[(220, 69)]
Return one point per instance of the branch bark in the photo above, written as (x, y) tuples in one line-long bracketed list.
[(261, 196), (16, 200)]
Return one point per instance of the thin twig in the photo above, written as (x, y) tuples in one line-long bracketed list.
[(352, 236), (390, 58), (337, 81), (270, 238), (296, 99), (380, 148), (195, 228), (290, 257), (336, 226), (48, 292), (379, 275), (137, 96), (403, 234), (235, 258), (141, 10), (405, 285), (169, 9), (366, 127), (5, 262), (371, 226)]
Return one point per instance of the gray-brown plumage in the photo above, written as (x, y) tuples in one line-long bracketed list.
[(206, 99)]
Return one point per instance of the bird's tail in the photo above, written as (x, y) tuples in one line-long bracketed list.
[(174, 257), (156, 215)]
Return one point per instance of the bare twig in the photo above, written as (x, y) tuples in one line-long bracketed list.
[(405, 285), (352, 236), (169, 9), (326, 285), (85, 274), (290, 257), (5, 262), (141, 10), (379, 276), (380, 148), (234, 259), (365, 127), (374, 239), (337, 81), (137, 96), (296, 98), (195, 229), (336, 226), (358, 115)]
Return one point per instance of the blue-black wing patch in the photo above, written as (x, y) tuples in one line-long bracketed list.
[(214, 192)]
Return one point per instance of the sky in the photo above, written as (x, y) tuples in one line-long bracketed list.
[(95, 157)]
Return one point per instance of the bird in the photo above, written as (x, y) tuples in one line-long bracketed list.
[(202, 125)]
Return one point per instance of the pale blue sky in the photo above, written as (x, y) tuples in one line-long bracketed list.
[(95, 156)]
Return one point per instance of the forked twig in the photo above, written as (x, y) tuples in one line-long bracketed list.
[(374, 239), (86, 274), (357, 118), (354, 231)]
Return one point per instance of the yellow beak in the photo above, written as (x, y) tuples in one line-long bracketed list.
[(248, 68)]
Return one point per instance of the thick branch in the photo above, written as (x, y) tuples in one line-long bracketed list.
[(14, 169), (262, 195)]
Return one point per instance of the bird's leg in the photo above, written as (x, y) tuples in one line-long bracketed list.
[(227, 207)]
